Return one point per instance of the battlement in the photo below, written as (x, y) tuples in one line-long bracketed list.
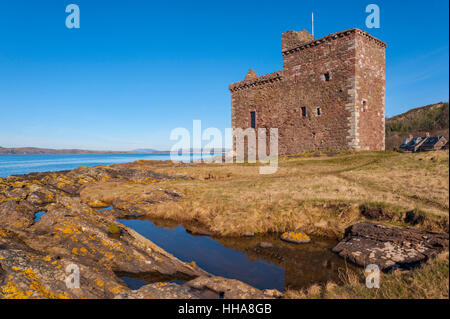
[(333, 36), (293, 39), (252, 81)]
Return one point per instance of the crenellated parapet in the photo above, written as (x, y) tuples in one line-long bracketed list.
[(256, 82), (334, 36)]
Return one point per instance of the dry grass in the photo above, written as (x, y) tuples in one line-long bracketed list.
[(312, 191), (429, 281)]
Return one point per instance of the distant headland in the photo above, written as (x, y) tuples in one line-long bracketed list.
[(47, 151)]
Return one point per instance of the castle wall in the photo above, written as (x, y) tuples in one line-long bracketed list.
[(333, 119), (370, 88)]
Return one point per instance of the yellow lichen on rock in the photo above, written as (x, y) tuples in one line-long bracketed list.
[(296, 237)]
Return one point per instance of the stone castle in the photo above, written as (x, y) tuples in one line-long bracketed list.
[(330, 94)]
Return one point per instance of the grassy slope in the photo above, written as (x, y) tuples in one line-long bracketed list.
[(432, 118), (321, 194), (429, 281)]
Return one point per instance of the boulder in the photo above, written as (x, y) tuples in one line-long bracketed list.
[(390, 247), (229, 288), (203, 287), (295, 237)]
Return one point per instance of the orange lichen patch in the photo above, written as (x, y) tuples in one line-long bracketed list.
[(160, 284), (18, 184), (2, 234), (47, 258), (118, 289), (104, 166), (83, 181), (49, 196), (296, 237), (68, 229), (105, 243), (20, 224), (109, 255), (37, 286), (81, 251), (74, 239), (99, 282), (97, 204), (11, 291)]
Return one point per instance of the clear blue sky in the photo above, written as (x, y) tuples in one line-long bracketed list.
[(137, 69)]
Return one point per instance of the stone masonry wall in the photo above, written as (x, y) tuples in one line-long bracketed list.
[(330, 78), (370, 90)]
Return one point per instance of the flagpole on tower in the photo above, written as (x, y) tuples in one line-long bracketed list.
[(312, 23)]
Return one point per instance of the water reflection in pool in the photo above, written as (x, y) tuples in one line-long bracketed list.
[(273, 265)]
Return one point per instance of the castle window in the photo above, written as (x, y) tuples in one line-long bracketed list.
[(253, 119), (365, 107), (303, 111), (319, 111), (327, 76)]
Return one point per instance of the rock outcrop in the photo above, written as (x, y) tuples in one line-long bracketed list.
[(37, 256), (390, 247), (208, 287)]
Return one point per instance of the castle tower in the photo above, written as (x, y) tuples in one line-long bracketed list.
[(329, 95)]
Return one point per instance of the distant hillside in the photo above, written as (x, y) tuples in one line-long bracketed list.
[(432, 118), (148, 151), (191, 150), (36, 150)]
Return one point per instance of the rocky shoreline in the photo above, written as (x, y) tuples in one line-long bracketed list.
[(36, 255)]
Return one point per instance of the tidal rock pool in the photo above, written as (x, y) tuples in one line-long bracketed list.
[(38, 215), (264, 262)]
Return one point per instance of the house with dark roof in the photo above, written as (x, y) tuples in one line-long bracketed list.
[(423, 144)]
